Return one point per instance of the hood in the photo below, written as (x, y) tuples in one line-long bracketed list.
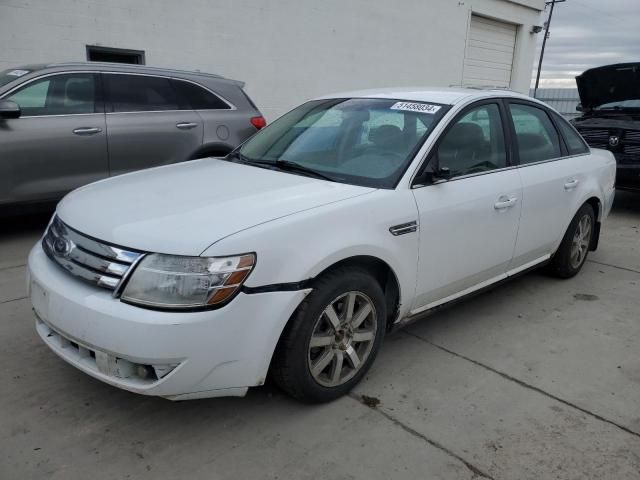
[(612, 83), (182, 209)]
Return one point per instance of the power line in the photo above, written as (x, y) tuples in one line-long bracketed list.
[(544, 42), (611, 16)]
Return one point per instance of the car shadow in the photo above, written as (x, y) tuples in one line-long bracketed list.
[(626, 202), (30, 223)]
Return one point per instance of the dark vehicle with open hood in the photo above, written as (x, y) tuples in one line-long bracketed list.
[(610, 106)]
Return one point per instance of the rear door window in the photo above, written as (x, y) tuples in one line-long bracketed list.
[(139, 93), (67, 94), (537, 138), (197, 97)]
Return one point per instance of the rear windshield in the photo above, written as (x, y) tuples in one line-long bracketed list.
[(361, 141), (12, 74)]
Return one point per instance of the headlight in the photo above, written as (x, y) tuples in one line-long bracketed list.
[(172, 282)]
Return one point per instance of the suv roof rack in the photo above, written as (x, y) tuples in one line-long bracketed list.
[(131, 66)]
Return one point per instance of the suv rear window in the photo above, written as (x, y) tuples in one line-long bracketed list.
[(139, 93), (197, 97)]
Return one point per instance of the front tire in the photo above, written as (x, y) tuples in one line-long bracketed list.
[(573, 250), (333, 337)]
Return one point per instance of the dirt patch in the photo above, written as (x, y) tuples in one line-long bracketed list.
[(586, 297), (371, 402)]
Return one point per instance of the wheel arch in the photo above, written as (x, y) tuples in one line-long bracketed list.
[(596, 204), (213, 149), (382, 272)]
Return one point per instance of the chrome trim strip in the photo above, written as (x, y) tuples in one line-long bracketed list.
[(79, 271), (95, 247), (471, 175), (64, 115), (404, 228), (97, 72), (96, 262), (170, 77), (117, 291)]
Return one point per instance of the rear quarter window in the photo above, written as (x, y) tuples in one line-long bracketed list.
[(198, 98), (575, 144)]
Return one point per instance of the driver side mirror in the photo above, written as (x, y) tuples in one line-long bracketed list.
[(439, 175), (9, 109), (579, 108)]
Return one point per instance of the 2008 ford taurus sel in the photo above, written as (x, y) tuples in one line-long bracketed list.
[(295, 255)]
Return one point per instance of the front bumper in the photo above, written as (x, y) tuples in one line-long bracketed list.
[(215, 353)]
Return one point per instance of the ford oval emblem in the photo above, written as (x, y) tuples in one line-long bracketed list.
[(61, 247)]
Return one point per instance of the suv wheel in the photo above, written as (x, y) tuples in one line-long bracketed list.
[(332, 338)]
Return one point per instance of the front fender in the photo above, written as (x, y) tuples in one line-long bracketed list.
[(299, 247)]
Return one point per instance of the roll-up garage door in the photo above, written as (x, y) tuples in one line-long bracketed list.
[(489, 54)]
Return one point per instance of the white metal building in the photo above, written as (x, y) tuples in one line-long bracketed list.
[(564, 100), (287, 50)]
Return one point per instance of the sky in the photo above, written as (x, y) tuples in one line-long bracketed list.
[(586, 34)]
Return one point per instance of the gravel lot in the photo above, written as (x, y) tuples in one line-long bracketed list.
[(538, 379)]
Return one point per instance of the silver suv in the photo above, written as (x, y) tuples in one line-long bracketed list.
[(66, 125)]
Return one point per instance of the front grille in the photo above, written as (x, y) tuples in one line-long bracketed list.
[(632, 149), (596, 138), (91, 260), (632, 137), (627, 148)]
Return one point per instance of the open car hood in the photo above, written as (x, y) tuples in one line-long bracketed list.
[(611, 83)]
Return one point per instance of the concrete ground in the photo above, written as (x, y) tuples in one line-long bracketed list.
[(538, 379)]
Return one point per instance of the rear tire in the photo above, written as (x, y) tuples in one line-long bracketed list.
[(573, 250), (332, 338)]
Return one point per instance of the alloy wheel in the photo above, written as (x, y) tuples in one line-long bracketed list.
[(580, 242), (342, 339)]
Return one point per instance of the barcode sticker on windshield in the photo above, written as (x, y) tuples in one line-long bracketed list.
[(18, 73), (415, 107)]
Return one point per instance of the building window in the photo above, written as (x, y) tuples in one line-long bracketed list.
[(116, 55)]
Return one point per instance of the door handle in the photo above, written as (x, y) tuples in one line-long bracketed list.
[(87, 130), (505, 202), (571, 184), (186, 125)]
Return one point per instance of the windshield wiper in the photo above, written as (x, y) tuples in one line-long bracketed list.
[(287, 165), (239, 156), (280, 164)]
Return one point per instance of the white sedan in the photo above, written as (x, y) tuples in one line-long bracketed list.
[(348, 216)]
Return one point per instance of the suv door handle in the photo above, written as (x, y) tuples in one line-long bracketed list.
[(186, 125), (505, 202), (571, 184), (87, 130)]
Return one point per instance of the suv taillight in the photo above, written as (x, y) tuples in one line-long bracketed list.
[(258, 122)]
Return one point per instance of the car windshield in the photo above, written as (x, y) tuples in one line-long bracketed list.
[(12, 74), (361, 141), (623, 105)]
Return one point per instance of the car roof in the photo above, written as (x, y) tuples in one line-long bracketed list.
[(446, 96), (127, 67), (123, 67)]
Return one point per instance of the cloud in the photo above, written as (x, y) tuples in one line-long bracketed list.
[(586, 34)]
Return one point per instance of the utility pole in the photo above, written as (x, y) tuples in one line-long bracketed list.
[(544, 42)]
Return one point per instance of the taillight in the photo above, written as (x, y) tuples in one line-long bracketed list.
[(258, 122)]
